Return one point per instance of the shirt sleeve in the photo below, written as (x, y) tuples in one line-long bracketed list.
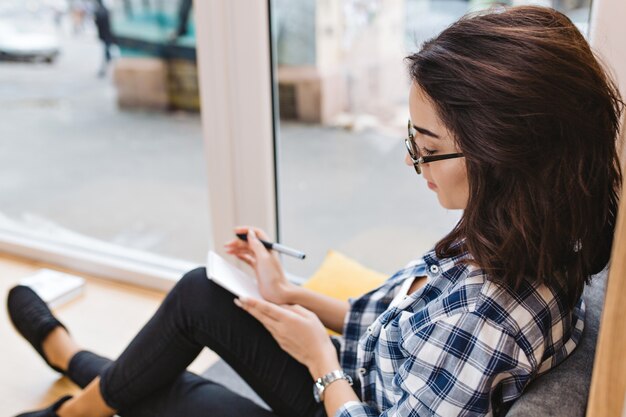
[(356, 409), (452, 368)]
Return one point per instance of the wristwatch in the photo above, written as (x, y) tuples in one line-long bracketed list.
[(321, 383)]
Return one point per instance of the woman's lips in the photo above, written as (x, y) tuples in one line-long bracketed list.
[(431, 185)]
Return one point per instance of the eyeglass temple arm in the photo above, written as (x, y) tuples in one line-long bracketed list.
[(427, 159)]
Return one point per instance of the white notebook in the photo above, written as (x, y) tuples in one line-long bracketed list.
[(230, 277), (54, 287)]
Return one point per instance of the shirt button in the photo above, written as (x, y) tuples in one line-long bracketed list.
[(362, 371), (434, 269), (369, 329)]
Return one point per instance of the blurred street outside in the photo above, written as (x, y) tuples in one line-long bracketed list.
[(73, 162)]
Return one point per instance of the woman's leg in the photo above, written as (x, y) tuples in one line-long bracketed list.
[(189, 395), (198, 313)]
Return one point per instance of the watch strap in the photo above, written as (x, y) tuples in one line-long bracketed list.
[(324, 381)]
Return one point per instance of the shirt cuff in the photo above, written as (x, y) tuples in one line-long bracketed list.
[(356, 409)]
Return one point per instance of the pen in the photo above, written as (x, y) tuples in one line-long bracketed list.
[(276, 246)]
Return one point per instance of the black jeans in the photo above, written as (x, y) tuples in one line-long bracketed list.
[(149, 377)]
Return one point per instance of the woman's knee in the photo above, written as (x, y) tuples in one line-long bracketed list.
[(193, 282), (195, 286), (195, 275), (195, 297)]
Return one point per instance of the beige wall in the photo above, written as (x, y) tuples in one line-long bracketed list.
[(608, 386), (608, 37)]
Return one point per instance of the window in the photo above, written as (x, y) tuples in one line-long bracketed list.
[(343, 95), (84, 165)]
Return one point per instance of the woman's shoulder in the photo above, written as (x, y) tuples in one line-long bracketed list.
[(465, 287), (535, 315), (532, 305)]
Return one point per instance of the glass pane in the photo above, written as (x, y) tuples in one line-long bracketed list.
[(343, 98), (102, 155)]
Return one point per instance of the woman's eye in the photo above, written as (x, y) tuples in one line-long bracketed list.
[(429, 151)]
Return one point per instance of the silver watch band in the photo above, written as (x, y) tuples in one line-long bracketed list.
[(323, 382)]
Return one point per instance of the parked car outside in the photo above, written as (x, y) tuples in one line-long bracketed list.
[(27, 45)]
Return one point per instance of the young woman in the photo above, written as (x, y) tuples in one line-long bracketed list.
[(514, 121)]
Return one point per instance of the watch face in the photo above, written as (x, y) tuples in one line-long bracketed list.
[(316, 392)]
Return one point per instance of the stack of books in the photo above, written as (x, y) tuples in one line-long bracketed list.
[(54, 287)]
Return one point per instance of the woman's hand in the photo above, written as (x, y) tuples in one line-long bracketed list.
[(298, 331), (273, 285)]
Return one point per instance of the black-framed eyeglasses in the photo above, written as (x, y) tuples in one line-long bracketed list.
[(417, 157)]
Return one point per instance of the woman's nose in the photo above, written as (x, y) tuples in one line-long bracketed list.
[(407, 159)]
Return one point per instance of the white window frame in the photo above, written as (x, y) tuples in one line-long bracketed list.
[(236, 89)]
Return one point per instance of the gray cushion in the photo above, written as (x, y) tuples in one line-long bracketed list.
[(563, 391), (223, 374)]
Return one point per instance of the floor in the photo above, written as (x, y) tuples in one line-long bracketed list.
[(104, 319)]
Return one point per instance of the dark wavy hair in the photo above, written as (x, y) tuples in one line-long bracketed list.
[(537, 118)]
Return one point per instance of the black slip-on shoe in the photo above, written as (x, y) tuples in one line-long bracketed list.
[(48, 412), (32, 318)]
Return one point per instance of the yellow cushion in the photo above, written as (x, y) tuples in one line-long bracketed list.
[(341, 277)]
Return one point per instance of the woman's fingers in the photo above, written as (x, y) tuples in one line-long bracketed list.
[(233, 243), (246, 253), (260, 233), (267, 320), (260, 251), (255, 244), (241, 251), (249, 259), (298, 309), (262, 308), (237, 244)]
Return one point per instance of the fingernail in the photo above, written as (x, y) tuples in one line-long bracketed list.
[(251, 233), (237, 302)]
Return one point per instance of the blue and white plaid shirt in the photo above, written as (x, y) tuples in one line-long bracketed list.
[(459, 346)]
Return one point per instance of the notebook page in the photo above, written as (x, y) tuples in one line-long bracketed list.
[(230, 277)]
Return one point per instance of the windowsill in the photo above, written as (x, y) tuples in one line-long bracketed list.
[(93, 257)]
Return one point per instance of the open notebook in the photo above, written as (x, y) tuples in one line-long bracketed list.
[(230, 277)]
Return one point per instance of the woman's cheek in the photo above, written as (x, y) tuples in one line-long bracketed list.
[(461, 186), (452, 186)]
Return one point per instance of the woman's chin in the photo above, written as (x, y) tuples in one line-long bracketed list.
[(447, 204)]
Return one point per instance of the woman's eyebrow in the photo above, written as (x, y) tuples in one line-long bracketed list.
[(426, 132)]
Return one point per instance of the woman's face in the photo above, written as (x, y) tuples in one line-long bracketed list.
[(448, 178)]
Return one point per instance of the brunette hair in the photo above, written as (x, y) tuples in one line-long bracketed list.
[(537, 119)]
